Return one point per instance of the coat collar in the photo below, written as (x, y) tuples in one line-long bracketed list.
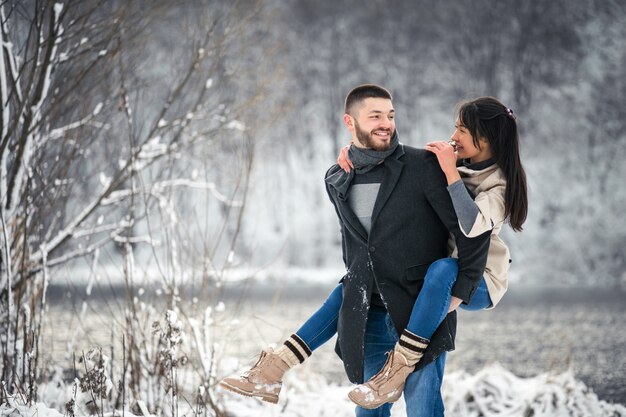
[(392, 170)]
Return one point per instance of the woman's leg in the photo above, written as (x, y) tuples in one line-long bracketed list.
[(322, 325), (432, 306), (480, 300), (317, 330), (433, 301), (264, 379)]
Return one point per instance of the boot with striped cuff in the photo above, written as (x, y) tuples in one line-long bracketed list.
[(264, 379), (387, 385)]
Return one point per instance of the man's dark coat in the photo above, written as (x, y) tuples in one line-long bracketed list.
[(411, 221)]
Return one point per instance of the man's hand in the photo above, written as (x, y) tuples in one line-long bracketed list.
[(447, 159), (454, 303), (344, 162)]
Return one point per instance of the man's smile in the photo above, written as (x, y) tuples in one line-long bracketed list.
[(382, 134)]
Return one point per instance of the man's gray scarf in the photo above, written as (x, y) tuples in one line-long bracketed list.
[(363, 160)]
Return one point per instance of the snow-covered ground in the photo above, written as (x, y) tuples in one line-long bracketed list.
[(491, 392), (533, 334)]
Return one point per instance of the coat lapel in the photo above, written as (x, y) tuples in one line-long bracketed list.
[(393, 169), (350, 219)]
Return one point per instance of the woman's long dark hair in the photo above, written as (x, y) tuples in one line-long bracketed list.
[(487, 118)]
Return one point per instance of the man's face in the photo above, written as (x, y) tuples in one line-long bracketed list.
[(374, 124)]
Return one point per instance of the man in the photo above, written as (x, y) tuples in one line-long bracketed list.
[(396, 215)]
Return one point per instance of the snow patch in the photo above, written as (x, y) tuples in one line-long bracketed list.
[(97, 109), (495, 392), (236, 125), (105, 180)]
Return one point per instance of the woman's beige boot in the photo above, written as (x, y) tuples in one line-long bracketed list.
[(387, 385), (264, 380)]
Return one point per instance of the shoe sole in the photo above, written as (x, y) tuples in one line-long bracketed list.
[(272, 399), (369, 406)]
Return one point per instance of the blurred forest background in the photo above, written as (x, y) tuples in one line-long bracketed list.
[(186, 141), (560, 65)]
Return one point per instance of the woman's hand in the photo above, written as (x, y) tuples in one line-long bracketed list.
[(454, 303), (344, 162), (447, 159)]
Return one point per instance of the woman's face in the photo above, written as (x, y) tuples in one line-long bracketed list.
[(464, 145)]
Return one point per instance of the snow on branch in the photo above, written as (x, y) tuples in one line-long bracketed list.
[(158, 188), (59, 132), (69, 230), (116, 237), (122, 224)]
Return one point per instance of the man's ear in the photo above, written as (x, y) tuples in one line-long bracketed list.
[(348, 121)]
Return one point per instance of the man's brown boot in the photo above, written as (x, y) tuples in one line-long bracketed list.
[(263, 380), (386, 386)]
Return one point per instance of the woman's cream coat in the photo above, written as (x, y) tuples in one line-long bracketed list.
[(488, 185)]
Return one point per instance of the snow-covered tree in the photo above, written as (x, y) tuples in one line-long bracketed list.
[(109, 124)]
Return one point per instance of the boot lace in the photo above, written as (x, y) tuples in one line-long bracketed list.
[(255, 369)]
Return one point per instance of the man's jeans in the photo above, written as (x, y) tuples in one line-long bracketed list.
[(422, 391)]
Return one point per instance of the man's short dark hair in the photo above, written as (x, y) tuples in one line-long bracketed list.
[(360, 93)]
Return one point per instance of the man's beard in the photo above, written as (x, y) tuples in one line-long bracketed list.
[(366, 139)]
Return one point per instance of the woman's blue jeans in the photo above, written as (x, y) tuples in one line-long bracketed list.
[(433, 301), (422, 391), (429, 310), (322, 325)]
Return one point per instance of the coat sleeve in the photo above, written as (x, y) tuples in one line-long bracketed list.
[(332, 200), (490, 211), (480, 214), (472, 251)]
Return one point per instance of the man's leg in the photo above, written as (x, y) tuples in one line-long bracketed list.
[(380, 338), (429, 310), (422, 391)]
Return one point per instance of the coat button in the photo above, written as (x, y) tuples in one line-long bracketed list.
[(372, 249)]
